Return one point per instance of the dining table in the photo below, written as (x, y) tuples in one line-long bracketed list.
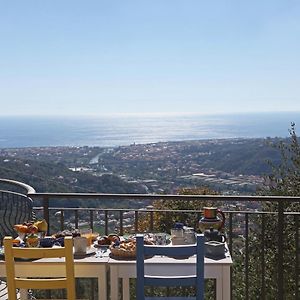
[(98, 266)]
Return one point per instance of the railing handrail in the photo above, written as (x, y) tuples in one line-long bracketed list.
[(225, 198), (148, 210), (29, 189), (16, 194)]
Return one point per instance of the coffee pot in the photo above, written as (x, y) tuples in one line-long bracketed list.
[(213, 218)]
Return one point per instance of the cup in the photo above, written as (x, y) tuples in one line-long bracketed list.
[(160, 238), (88, 234), (80, 244)]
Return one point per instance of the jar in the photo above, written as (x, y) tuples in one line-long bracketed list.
[(189, 235), (177, 230)]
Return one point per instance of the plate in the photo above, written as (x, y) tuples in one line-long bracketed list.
[(96, 245)]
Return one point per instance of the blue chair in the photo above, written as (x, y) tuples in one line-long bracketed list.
[(172, 280)]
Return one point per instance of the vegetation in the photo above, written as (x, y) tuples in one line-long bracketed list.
[(284, 180)]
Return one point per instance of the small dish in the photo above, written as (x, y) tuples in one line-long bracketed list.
[(96, 245)]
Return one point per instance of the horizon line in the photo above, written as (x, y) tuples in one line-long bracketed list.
[(148, 114)]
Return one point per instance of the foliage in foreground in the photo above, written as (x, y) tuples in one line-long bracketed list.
[(284, 180)]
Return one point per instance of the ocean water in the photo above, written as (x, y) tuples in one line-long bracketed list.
[(110, 131)]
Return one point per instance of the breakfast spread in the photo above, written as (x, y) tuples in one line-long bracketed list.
[(29, 233)]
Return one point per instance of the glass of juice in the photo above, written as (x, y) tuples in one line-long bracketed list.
[(88, 234)]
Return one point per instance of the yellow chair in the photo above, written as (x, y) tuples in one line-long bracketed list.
[(13, 282)]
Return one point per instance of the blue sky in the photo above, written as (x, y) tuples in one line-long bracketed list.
[(105, 57)]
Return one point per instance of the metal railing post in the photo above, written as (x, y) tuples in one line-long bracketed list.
[(246, 256), (136, 221), (151, 221), (121, 223), (280, 248), (263, 267), (92, 220), (46, 212), (297, 284), (62, 219), (106, 222), (76, 218), (230, 240)]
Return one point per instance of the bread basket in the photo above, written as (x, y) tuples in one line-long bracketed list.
[(126, 249)]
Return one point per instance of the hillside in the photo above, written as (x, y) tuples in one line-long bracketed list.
[(158, 167)]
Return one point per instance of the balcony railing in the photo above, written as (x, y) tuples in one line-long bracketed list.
[(249, 235)]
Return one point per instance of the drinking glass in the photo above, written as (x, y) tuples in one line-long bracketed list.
[(88, 234)]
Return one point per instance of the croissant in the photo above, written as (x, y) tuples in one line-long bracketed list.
[(21, 228)]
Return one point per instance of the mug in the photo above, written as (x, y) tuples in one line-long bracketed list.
[(80, 244)]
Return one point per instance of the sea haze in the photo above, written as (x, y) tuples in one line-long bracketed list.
[(110, 131)]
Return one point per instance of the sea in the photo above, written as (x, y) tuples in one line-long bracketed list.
[(120, 130)]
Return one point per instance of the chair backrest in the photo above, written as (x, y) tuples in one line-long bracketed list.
[(196, 280), (13, 282)]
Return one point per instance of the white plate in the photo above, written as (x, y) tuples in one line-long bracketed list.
[(96, 245)]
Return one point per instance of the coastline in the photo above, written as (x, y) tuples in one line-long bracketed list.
[(19, 132)]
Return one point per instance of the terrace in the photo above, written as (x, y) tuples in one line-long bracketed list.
[(264, 245)]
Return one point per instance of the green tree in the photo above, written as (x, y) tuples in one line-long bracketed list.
[(284, 180), (285, 177)]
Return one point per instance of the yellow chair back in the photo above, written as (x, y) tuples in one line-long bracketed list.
[(13, 282)]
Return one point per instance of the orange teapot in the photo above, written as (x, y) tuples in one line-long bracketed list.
[(213, 218)]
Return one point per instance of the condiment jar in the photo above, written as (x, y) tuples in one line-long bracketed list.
[(189, 235), (177, 230)]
